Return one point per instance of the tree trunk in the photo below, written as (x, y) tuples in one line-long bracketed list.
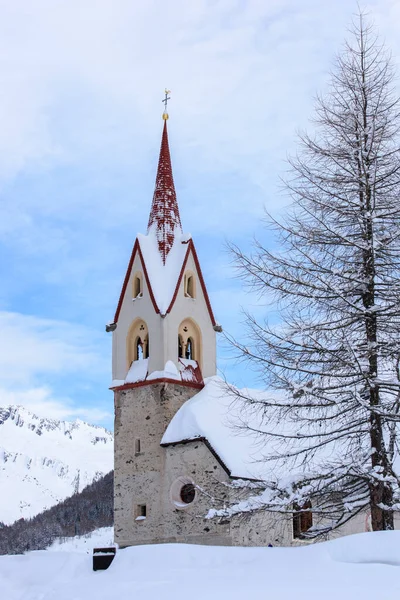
[(380, 493)]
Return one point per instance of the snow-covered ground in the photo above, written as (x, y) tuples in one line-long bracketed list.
[(43, 461), (364, 566), (99, 538)]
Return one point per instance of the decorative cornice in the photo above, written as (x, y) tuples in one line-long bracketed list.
[(129, 386)]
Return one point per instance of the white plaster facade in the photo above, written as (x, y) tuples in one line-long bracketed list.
[(163, 329)]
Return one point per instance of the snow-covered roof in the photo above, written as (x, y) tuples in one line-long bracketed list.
[(213, 414), (188, 372), (217, 414), (163, 277)]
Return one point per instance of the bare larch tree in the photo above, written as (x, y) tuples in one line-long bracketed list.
[(336, 281)]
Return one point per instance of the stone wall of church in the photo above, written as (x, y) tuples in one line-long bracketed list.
[(277, 529), (261, 530), (142, 415), (145, 477), (194, 461)]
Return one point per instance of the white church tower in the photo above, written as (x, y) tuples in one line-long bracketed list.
[(163, 347)]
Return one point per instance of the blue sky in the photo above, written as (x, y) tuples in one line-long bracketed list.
[(80, 126)]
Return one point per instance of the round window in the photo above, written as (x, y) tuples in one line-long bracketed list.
[(188, 493), (183, 493)]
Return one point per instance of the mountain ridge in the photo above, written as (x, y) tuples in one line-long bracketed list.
[(43, 461)]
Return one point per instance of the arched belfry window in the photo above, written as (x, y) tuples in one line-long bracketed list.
[(137, 285), (137, 342), (189, 285), (189, 341)]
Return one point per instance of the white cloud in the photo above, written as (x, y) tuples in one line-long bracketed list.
[(34, 350), (82, 84), (31, 346), (43, 402), (242, 76)]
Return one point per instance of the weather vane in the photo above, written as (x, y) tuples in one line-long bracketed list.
[(165, 102)]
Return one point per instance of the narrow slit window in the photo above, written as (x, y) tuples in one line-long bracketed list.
[(139, 354), (189, 354), (138, 446), (190, 286), (137, 291), (190, 291)]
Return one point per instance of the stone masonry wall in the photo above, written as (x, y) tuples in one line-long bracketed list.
[(145, 478)]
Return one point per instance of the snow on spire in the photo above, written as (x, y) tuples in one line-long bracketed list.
[(164, 215)]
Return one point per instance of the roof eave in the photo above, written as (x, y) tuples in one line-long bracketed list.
[(205, 441)]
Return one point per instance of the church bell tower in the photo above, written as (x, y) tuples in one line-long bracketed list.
[(162, 349)]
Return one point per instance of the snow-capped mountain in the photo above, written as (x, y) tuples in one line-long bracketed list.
[(43, 461)]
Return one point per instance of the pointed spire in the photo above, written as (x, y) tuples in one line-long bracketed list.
[(164, 215)]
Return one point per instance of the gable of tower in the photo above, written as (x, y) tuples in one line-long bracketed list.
[(136, 264), (164, 281)]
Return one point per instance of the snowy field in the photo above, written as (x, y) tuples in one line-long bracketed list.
[(365, 566), (100, 538)]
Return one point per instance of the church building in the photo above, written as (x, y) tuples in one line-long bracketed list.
[(163, 350), (175, 445)]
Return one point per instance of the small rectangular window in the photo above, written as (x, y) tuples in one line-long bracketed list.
[(302, 519), (141, 512), (137, 446)]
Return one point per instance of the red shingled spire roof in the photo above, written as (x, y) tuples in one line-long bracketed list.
[(164, 215)]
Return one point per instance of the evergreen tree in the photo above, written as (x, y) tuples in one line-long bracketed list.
[(79, 514)]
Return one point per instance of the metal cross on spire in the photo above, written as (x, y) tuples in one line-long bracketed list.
[(165, 101)]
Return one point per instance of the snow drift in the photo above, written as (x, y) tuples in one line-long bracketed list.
[(364, 566)]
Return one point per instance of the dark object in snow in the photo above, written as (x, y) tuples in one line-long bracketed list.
[(102, 558)]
